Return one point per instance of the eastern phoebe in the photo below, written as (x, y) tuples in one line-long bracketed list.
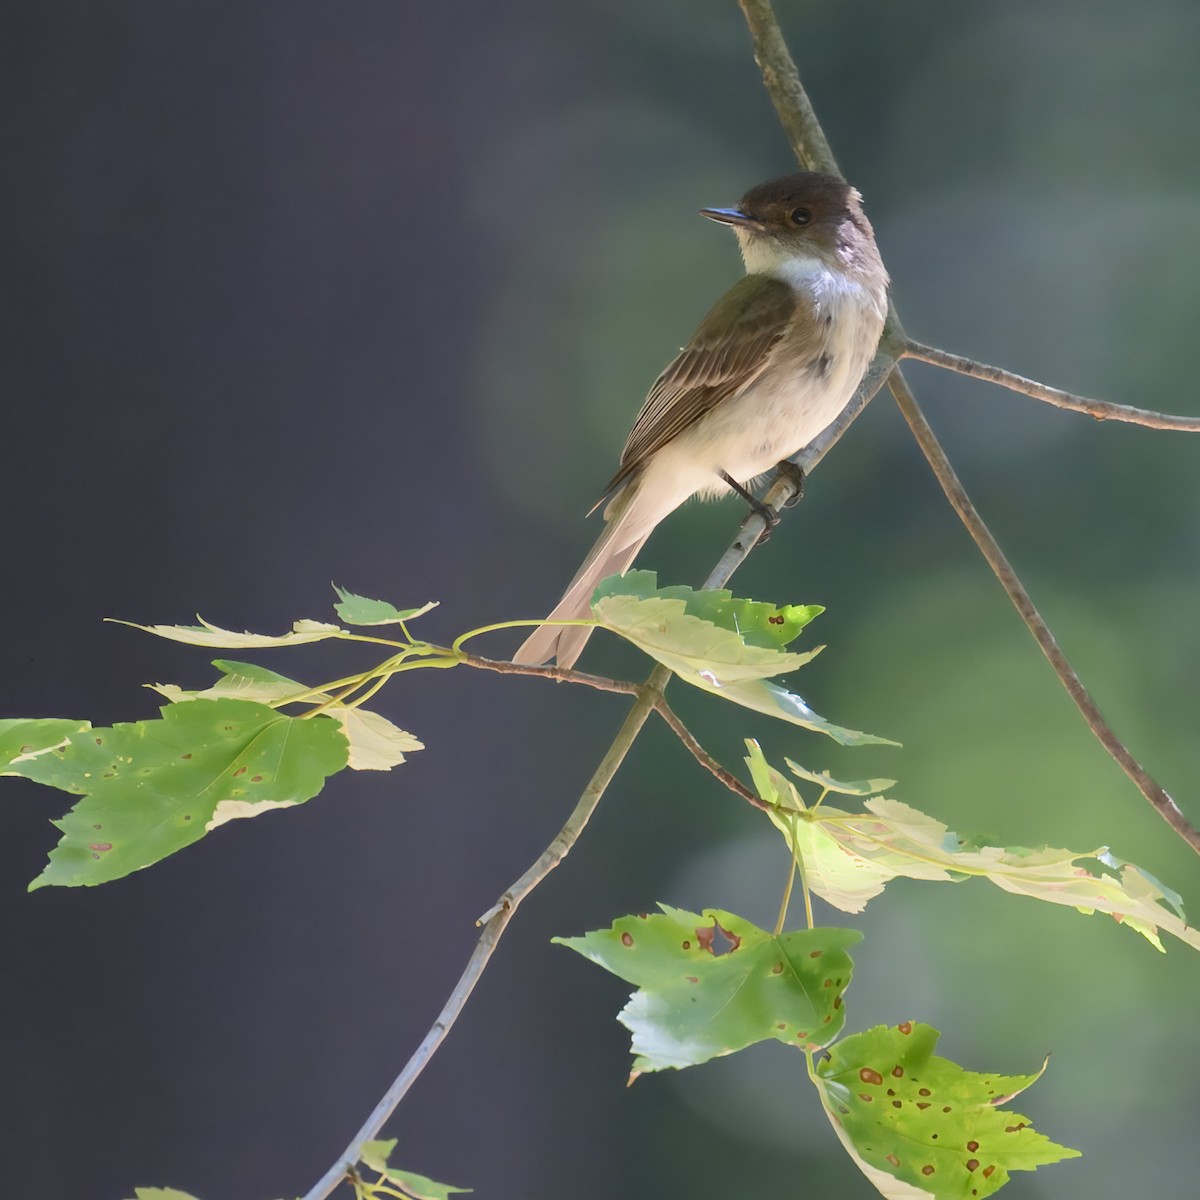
[(774, 362)]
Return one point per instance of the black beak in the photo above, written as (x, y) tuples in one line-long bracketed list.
[(731, 216)]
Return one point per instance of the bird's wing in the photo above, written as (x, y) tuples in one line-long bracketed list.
[(729, 350)]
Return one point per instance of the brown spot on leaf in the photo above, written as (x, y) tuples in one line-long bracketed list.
[(927, 1169), (692, 978), (686, 944), (256, 779), (837, 1002), (777, 969), (239, 771), (972, 1164), (987, 1171), (815, 953), (185, 755), (100, 846), (898, 1071), (905, 1027), (1014, 1128), (627, 938), (922, 1091), (972, 1145), (866, 1097), (717, 940), (922, 1104), (893, 1160), (869, 1075)]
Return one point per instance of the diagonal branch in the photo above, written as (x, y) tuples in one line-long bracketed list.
[(796, 114), (1102, 410), (1161, 800)]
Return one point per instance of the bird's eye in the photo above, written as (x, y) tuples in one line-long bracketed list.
[(800, 216)]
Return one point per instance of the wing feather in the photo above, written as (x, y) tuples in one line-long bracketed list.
[(729, 350)]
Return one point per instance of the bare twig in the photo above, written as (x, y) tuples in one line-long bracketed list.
[(961, 503), (559, 674), (706, 760), (494, 922), (796, 114), (1102, 410), (782, 80)]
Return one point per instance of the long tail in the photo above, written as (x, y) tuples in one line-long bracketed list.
[(629, 525)]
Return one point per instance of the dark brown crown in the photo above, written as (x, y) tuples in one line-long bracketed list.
[(825, 197)]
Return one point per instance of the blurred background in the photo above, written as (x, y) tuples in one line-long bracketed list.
[(371, 292)]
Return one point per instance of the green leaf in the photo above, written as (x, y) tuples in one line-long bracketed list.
[(775, 701), (376, 1154), (921, 1125), (849, 858), (376, 744), (157, 1193), (864, 787), (711, 984), (22, 739), (755, 622), (693, 648), (715, 658), (358, 610), (152, 787), (206, 634)]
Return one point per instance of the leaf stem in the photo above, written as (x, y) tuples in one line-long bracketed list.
[(456, 645)]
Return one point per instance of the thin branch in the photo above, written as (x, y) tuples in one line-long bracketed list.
[(782, 81), (494, 922), (1102, 410), (605, 684), (961, 503), (706, 760), (796, 114), (559, 674)]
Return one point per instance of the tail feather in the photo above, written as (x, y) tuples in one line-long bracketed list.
[(613, 554)]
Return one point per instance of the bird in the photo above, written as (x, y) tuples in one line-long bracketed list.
[(770, 366)]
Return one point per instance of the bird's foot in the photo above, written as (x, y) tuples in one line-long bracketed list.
[(769, 513), (790, 471)]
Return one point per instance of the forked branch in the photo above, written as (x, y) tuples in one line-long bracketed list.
[(808, 142)]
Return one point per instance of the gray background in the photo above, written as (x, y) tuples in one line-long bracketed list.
[(370, 292)]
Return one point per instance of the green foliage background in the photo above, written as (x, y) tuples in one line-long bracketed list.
[(373, 295)]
